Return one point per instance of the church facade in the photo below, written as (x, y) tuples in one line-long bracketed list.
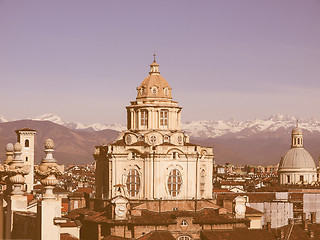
[(154, 159)]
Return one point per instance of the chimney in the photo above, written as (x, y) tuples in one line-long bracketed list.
[(269, 226), (281, 233), (311, 234), (313, 217), (304, 217), (305, 225)]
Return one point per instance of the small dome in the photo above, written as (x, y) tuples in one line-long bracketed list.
[(9, 147), (17, 147), (49, 144), (154, 85), (297, 130), (297, 158)]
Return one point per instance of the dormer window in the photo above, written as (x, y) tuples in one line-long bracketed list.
[(154, 90), (166, 91)]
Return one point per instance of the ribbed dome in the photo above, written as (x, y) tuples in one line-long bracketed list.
[(297, 158), (154, 85)]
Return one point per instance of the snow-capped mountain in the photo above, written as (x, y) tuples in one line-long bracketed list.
[(79, 126), (2, 119), (205, 129)]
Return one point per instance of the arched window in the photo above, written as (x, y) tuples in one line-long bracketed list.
[(144, 118), (174, 182), (164, 118), (133, 182), (27, 159), (184, 238), (26, 143)]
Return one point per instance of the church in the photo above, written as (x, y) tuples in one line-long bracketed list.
[(153, 159)]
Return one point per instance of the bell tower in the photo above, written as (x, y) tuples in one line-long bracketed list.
[(25, 137)]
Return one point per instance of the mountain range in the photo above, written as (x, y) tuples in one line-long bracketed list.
[(259, 141)]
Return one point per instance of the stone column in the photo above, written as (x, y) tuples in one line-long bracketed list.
[(50, 206)]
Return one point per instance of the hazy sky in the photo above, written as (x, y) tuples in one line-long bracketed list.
[(83, 60)]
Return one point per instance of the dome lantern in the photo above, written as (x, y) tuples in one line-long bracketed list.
[(297, 137), (154, 67)]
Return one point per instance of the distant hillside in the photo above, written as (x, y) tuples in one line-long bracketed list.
[(261, 148), (71, 146), (247, 146)]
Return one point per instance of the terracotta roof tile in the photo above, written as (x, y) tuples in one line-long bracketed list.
[(80, 211), (67, 236), (157, 235), (237, 234), (211, 216), (114, 238)]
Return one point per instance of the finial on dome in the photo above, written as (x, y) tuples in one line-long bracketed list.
[(297, 123), (154, 56)]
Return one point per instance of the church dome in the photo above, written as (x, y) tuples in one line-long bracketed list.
[(154, 85), (297, 158)]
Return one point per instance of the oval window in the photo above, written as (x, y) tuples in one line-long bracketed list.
[(133, 183)]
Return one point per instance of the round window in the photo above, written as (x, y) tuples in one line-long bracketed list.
[(153, 139)]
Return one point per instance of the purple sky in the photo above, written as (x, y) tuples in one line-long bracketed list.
[(84, 59)]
